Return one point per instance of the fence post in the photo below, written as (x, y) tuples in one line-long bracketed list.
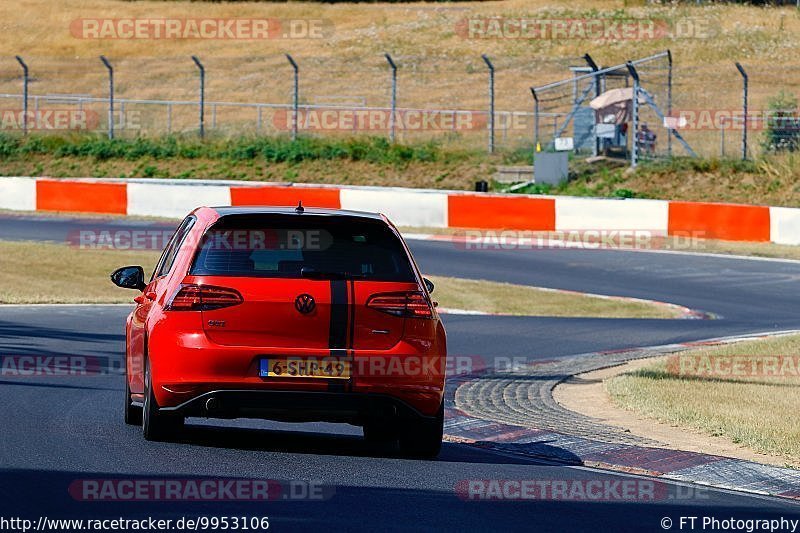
[(24, 94), (202, 95), (295, 93), (491, 102), (669, 102), (392, 125), (745, 81), (535, 123), (635, 114), (110, 96), (597, 92)]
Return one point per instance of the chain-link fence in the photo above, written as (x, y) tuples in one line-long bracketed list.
[(434, 98), (710, 108), (595, 112)]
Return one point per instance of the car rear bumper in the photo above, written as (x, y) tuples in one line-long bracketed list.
[(187, 365), (298, 406)]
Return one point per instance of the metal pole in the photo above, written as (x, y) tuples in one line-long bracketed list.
[(535, 122), (605, 70), (392, 125), (669, 102), (24, 94), (635, 113), (491, 102), (597, 92), (110, 96), (744, 108), (722, 138), (202, 96), (295, 93)]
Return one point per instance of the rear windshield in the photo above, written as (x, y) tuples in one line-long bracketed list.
[(293, 246)]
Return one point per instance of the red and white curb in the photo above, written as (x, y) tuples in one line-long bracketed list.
[(423, 208), (676, 465)]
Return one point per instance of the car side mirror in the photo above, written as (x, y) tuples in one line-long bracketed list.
[(429, 285), (129, 277)]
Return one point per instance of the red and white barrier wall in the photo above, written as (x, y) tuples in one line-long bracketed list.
[(410, 207)]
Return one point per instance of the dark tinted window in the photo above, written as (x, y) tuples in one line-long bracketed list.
[(171, 251), (293, 246)]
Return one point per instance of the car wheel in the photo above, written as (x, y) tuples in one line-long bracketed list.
[(423, 439), (156, 426), (133, 413)]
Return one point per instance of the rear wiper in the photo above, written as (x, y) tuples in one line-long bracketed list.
[(310, 273)]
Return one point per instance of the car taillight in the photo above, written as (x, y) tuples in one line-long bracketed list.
[(405, 304), (203, 298)]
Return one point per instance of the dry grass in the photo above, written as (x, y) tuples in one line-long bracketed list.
[(438, 66), (756, 411), (57, 273), (492, 297), (771, 180), (439, 69)]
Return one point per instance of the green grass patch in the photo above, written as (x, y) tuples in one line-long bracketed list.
[(757, 410), (267, 149)]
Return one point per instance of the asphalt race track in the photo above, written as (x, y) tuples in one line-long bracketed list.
[(59, 430)]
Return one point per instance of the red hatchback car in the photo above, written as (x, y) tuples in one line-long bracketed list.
[(286, 314)]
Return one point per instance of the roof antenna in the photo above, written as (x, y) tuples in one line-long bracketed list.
[(299, 209)]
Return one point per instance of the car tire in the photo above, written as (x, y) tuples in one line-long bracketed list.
[(423, 439), (156, 426), (133, 413)]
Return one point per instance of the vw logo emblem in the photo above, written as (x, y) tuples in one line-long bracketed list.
[(305, 304)]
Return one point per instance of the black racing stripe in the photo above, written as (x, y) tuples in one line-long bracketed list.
[(337, 335), (352, 314), (352, 353)]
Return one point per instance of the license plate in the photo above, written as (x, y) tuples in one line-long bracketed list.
[(297, 367)]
